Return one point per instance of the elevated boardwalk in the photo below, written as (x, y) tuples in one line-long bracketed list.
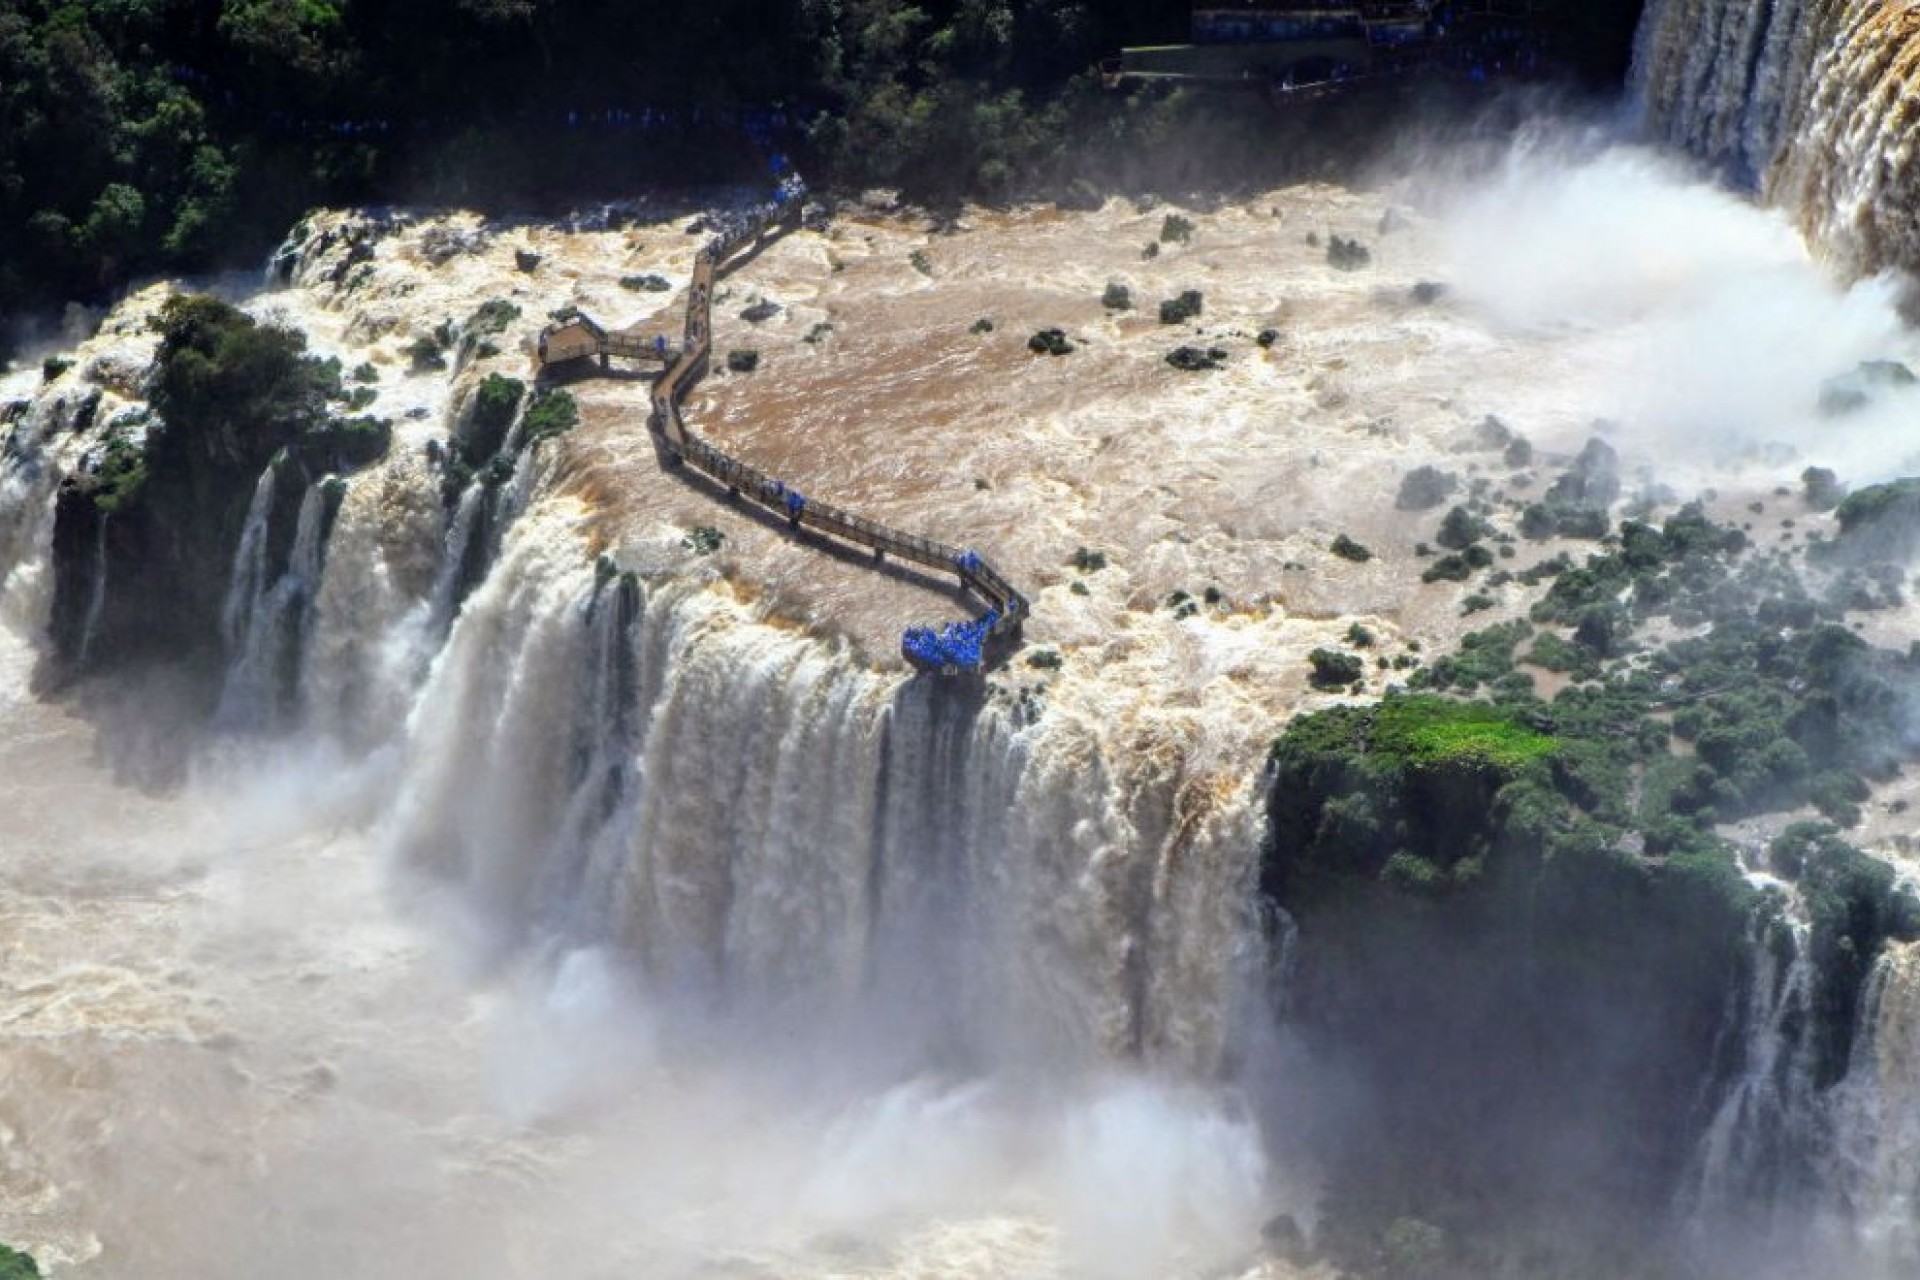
[(575, 337)]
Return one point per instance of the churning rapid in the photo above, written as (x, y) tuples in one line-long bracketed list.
[(558, 875)]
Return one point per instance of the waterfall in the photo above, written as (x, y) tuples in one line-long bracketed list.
[(751, 817), (249, 576), (1810, 101), (1791, 1179), (1755, 1152), (1874, 1166), (444, 597), (26, 535), (269, 624), (96, 595), (1723, 80), (1852, 174)]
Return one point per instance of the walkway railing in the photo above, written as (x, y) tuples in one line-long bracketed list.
[(573, 336)]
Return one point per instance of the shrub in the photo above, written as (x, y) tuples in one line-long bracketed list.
[(703, 540), (1333, 669), (1424, 487), (1453, 568), (1461, 529), (982, 325), (1347, 255), (649, 283), (1050, 342), (426, 354), (1822, 488), (921, 262), (1175, 229), (1347, 549), (53, 366), (1881, 519), (551, 413), (1088, 560), (743, 360), (356, 442), (1117, 297), (481, 435), (1196, 359), (1183, 308)]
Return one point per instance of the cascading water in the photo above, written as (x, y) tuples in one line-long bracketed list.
[(268, 624), (1852, 173), (1755, 1156), (1874, 1165), (1812, 101), (1725, 81), (756, 817), (96, 596), (249, 578), (444, 598)]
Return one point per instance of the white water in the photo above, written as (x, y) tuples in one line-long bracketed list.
[(1811, 101), (657, 933), (267, 622), (249, 578), (96, 594), (1875, 1164), (1751, 1161)]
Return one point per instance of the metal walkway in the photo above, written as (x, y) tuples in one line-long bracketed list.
[(574, 336)]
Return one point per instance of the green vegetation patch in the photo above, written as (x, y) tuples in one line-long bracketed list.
[(1882, 519), (483, 432), (551, 413), (1427, 731)]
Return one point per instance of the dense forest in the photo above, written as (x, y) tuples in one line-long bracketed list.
[(149, 135), (145, 134)]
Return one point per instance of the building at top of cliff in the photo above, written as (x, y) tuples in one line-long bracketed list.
[(1388, 22), (1249, 21)]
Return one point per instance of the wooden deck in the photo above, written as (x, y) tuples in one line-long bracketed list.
[(575, 337)]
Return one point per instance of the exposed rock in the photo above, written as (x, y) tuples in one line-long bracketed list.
[(1196, 360), (1050, 342), (441, 244), (1183, 308)]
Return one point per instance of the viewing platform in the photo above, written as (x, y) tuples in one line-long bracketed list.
[(574, 337)]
